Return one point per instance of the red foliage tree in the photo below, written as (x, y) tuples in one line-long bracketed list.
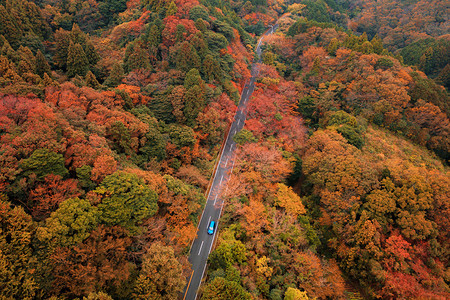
[(46, 196)]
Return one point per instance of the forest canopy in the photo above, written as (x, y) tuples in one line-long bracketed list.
[(112, 118)]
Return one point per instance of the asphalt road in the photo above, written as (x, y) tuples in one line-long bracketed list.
[(202, 245)]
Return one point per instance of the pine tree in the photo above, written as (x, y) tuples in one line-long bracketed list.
[(91, 81), (171, 9), (200, 45), (200, 24), (9, 52), (91, 53), (9, 26), (3, 40), (195, 102), (27, 62), (333, 46), (7, 72), (193, 78), (77, 63), (377, 44), (115, 76), (316, 65), (62, 39), (154, 36), (77, 36), (186, 57), (136, 57), (180, 33), (47, 80), (42, 65)]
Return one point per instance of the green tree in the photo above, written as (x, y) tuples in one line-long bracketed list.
[(77, 36), (154, 36), (186, 57), (194, 97), (211, 68), (216, 41), (244, 136), (120, 136), (127, 200), (136, 57), (228, 254), (110, 8), (115, 76), (70, 224), (195, 102), (77, 62), (200, 24), (366, 47), (377, 45), (180, 33), (268, 58), (223, 28), (353, 135), (43, 162), (192, 78), (295, 294), (333, 46), (384, 63), (316, 10), (200, 45), (8, 51), (340, 118), (308, 108), (62, 40), (155, 145), (161, 276), (91, 54), (171, 9), (198, 12), (27, 61), (221, 289), (91, 81), (182, 136), (42, 65), (84, 177)]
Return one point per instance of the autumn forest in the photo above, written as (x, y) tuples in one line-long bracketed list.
[(112, 119)]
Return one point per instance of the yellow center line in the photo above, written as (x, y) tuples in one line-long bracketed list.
[(187, 289)]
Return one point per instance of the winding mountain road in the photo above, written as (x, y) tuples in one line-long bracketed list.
[(201, 247)]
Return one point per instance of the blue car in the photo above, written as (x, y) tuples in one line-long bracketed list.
[(211, 227)]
